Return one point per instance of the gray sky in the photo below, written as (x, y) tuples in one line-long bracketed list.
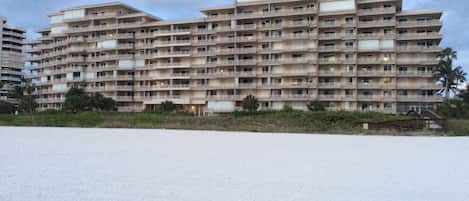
[(32, 15)]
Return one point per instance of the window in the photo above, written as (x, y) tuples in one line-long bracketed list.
[(387, 68), (349, 92), (387, 6), (387, 106), (349, 32), (349, 44)]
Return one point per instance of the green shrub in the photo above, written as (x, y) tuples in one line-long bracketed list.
[(250, 103), (76, 100), (6, 107), (453, 109), (100, 103), (167, 107), (316, 106)]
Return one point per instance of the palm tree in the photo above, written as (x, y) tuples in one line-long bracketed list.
[(448, 54), (448, 76)]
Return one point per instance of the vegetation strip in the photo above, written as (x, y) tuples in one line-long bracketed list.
[(270, 121)]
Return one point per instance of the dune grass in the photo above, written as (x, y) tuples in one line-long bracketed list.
[(458, 127), (278, 121), (268, 121)]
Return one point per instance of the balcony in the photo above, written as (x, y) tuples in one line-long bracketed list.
[(376, 85), (329, 97), (104, 58), (420, 23), (272, 13), (419, 98), (330, 85), (331, 73), (225, 97), (14, 40), (94, 16), (294, 24), (377, 11), (237, 51), (77, 49), (291, 97), (294, 61), (376, 23), (418, 61), (415, 74), (375, 60), (297, 36), (172, 54), (331, 36), (170, 65), (13, 33), (419, 48), (74, 59), (236, 39), (167, 43), (428, 86), (376, 73), (163, 33), (419, 36), (330, 24), (331, 48), (370, 98), (376, 35)]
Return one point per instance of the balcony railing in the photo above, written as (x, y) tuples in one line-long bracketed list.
[(420, 23), (419, 48), (419, 35), (376, 10), (377, 23)]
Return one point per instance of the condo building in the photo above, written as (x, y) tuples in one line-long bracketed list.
[(11, 57), (359, 55)]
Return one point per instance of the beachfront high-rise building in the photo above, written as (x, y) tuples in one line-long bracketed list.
[(11, 57), (362, 55)]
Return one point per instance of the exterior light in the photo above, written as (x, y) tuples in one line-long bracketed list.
[(386, 59)]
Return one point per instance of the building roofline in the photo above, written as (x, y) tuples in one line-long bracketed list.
[(247, 3), (9, 26), (17, 28), (43, 30), (420, 12), (106, 5)]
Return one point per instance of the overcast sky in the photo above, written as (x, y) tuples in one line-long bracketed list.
[(32, 15)]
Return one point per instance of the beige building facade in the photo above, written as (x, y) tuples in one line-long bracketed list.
[(359, 55), (11, 57)]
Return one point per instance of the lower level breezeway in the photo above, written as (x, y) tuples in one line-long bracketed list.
[(200, 107), (59, 164), (222, 106)]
